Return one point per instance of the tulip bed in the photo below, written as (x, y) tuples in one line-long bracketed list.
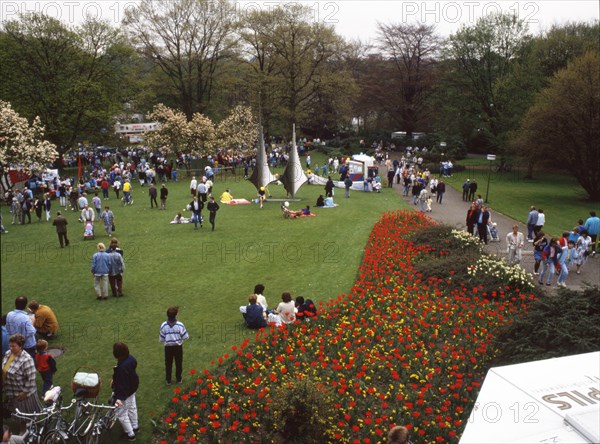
[(399, 349)]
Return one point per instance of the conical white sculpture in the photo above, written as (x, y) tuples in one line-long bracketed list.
[(293, 177), (261, 176)]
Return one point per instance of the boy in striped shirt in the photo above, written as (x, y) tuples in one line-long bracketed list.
[(172, 335)]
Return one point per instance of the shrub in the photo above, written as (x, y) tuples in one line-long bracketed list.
[(496, 274), (562, 325), (301, 412)]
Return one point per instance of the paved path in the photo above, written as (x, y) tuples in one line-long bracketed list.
[(453, 211)]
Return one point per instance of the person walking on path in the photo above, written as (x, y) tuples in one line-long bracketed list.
[(212, 208), (471, 220), (532, 220), (592, 226), (550, 261), (465, 190), (172, 335), (515, 241), (483, 218), (541, 220), (472, 189), (440, 190), (61, 229)]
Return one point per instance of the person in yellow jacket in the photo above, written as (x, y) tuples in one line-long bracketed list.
[(44, 321), (226, 196), (127, 200)]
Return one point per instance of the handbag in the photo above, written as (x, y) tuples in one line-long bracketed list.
[(113, 227)]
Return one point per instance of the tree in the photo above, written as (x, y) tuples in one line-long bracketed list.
[(480, 58), (22, 145), (238, 130), (186, 39), (562, 43), (563, 126), (74, 79), (296, 63), (412, 51), (177, 134)]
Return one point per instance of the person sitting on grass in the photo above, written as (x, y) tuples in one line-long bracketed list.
[(226, 196), (320, 201), (45, 321), (179, 219), (306, 309), (254, 313)]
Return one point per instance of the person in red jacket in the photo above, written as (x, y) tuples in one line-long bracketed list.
[(45, 364), (105, 186)]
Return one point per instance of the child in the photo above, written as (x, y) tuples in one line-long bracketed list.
[(582, 246), (89, 230), (568, 255), (550, 261), (45, 364), (428, 203)]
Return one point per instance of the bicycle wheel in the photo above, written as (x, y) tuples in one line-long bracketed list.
[(55, 437), (94, 437), (85, 422), (111, 419)]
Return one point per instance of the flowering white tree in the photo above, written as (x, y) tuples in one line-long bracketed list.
[(22, 145), (176, 134), (238, 130)]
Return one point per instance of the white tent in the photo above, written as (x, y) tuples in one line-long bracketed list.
[(550, 401)]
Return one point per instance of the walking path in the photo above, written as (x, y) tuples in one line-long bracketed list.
[(453, 212)]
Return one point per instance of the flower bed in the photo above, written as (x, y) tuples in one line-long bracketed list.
[(394, 351)]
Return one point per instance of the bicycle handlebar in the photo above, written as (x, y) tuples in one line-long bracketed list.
[(101, 406), (45, 411)]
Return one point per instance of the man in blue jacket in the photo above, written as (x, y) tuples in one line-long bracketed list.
[(100, 270), (592, 225)]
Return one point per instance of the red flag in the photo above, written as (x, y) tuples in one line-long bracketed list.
[(79, 166)]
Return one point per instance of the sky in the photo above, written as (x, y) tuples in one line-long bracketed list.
[(353, 19)]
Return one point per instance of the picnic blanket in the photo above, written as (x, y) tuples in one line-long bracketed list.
[(238, 202)]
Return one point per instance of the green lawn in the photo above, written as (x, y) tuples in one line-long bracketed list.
[(208, 274), (560, 196)]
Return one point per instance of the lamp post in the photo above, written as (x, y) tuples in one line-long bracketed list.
[(491, 158)]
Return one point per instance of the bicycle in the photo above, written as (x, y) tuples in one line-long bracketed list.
[(76, 430), (503, 167), (40, 423), (104, 423)]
